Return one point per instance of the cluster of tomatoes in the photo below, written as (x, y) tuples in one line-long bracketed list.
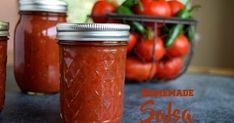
[(148, 57), (169, 61)]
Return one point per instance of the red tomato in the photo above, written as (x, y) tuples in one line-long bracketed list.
[(169, 68), (101, 8), (180, 47), (154, 8), (176, 6), (133, 38), (146, 47), (139, 71)]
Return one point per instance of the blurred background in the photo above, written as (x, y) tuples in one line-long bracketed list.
[(215, 48)]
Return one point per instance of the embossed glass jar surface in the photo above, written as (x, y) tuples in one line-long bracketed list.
[(36, 57), (3, 59), (92, 75)]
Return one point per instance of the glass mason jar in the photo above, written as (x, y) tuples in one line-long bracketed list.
[(36, 58), (4, 27), (92, 59)]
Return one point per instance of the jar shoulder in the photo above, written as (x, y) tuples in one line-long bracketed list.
[(37, 25)]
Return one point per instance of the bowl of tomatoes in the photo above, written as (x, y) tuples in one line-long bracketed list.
[(161, 42)]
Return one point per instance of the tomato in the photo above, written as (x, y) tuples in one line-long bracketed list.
[(145, 49), (133, 38), (154, 8), (100, 9), (169, 68), (176, 6), (139, 71), (179, 48)]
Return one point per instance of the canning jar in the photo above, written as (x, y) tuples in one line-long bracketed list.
[(4, 27), (36, 58), (92, 59)]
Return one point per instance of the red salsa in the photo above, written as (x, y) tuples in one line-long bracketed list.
[(3, 60), (92, 73), (36, 58)]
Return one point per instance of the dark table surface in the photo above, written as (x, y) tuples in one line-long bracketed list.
[(213, 101)]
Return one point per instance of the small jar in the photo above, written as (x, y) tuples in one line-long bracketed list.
[(92, 59), (36, 54), (4, 27)]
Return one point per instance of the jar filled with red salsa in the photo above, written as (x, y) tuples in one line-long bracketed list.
[(36, 54), (92, 59), (4, 27)]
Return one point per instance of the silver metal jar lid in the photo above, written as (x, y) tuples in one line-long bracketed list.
[(92, 32), (57, 6), (4, 28)]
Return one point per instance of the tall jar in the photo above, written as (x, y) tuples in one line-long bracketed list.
[(36, 54), (4, 27), (92, 58)]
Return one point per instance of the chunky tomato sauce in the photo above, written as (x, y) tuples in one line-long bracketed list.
[(92, 81), (36, 61), (3, 61)]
